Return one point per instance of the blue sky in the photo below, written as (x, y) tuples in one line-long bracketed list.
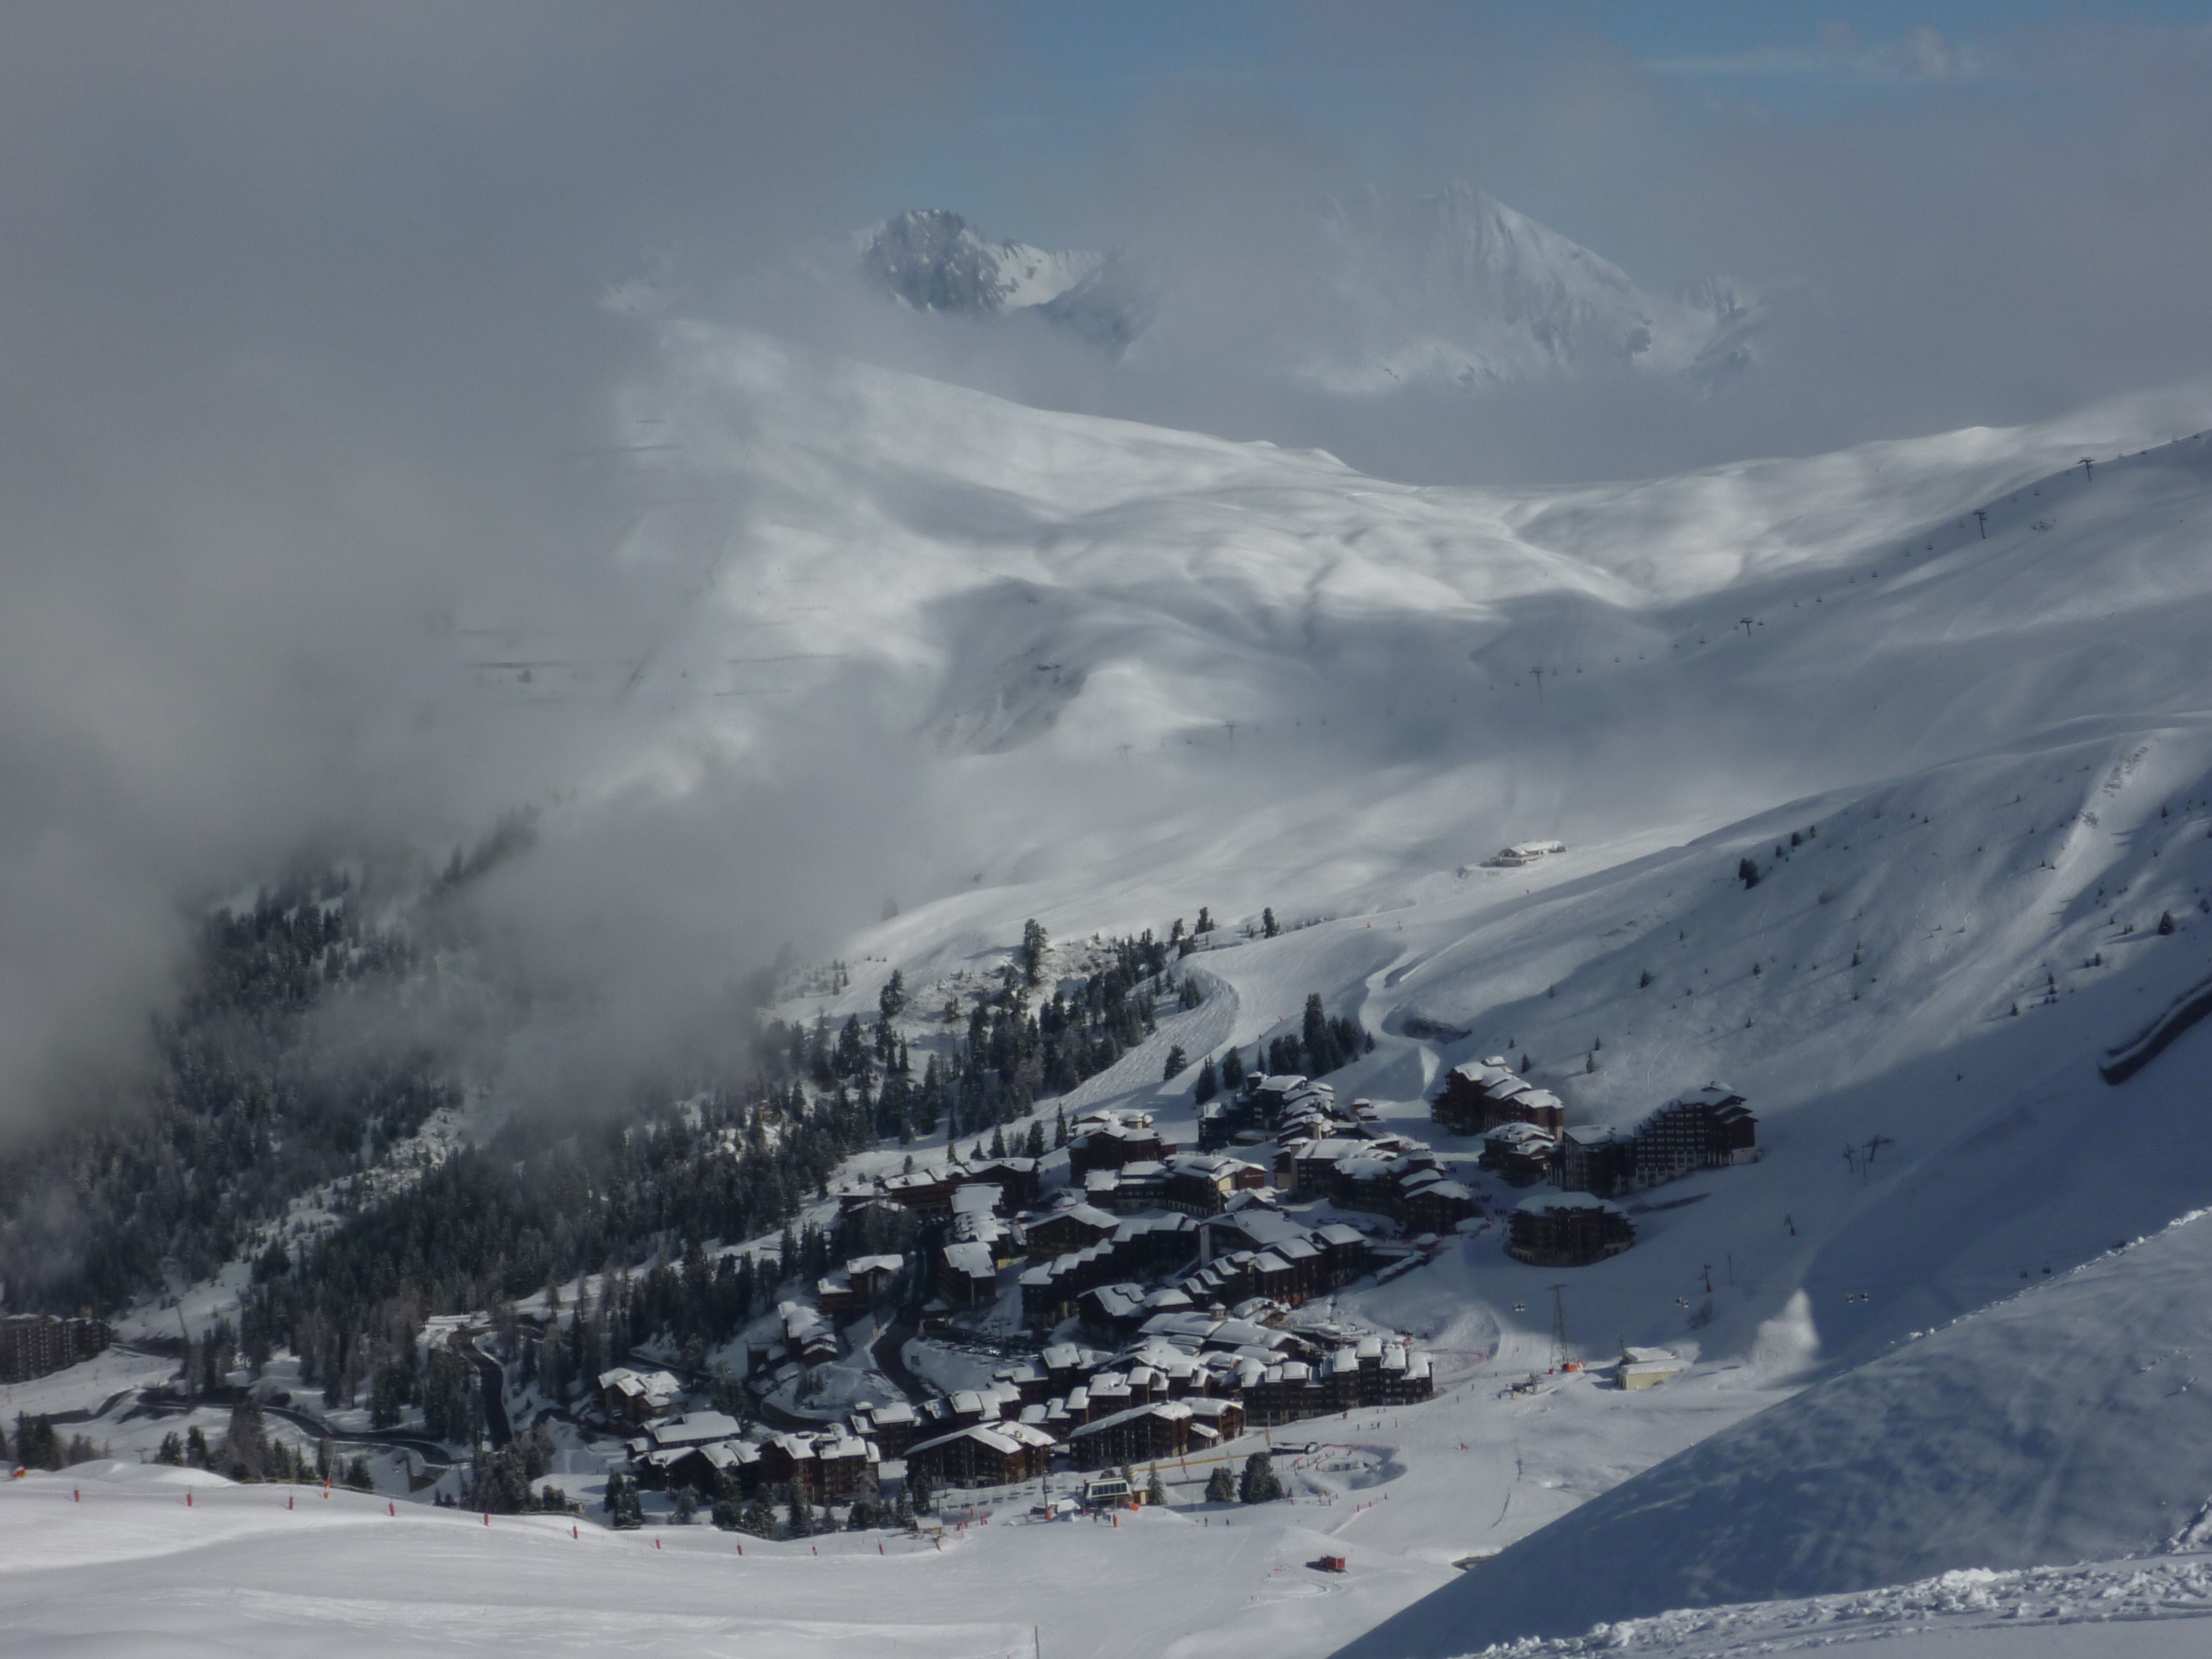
[(1049, 87)]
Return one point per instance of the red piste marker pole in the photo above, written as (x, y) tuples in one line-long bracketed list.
[(188, 1500), (390, 1508)]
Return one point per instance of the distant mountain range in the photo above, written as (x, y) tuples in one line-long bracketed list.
[(1454, 288)]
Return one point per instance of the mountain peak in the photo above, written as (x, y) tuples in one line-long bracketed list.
[(933, 260)]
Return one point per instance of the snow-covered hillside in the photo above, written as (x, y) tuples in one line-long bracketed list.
[(2064, 1425)]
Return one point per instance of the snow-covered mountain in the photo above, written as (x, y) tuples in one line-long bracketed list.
[(1393, 290), (1459, 287), (935, 260)]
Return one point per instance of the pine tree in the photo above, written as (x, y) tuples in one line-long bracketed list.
[(1208, 1085), (1155, 1490), (1268, 927), (1232, 1069), (891, 1001), (1259, 1484), (1176, 1060), (1221, 1486)]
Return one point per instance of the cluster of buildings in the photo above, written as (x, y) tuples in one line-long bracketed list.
[(710, 1452), (1187, 1383), (31, 1345), (1526, 1141), (1340, 1154)]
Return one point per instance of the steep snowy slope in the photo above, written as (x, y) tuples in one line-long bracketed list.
[(2065, 1424)]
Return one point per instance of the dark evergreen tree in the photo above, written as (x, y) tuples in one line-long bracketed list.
[(1259, 1484)]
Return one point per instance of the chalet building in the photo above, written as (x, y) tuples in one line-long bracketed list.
[(1131, 1189), (787, 1459), (1480, 1094), (857, 1285), (631, 1399), (1267, 1105), (993, 1454), (1259, 1252), (1568, 1229), (1198, 1185), (925, 1191), (1520, 1153), (31, 1345), (966, 1276), (1214, 1421), (1139, 1434), (975, 1221), (845, 1469), (807, 1337), (1432, 1203), (891, 1427), (929, 1191), (1593, 1159), (1140, 1246), (1073, 1227), (1018, 1178), (1131, 1139), (691, 1428), (1709, 1128), (707, 1468)]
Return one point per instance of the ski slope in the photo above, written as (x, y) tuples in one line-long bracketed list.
[(2065, 1424)]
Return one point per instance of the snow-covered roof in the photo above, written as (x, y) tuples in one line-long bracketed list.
[(1543, 1201), (973, 1259)]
